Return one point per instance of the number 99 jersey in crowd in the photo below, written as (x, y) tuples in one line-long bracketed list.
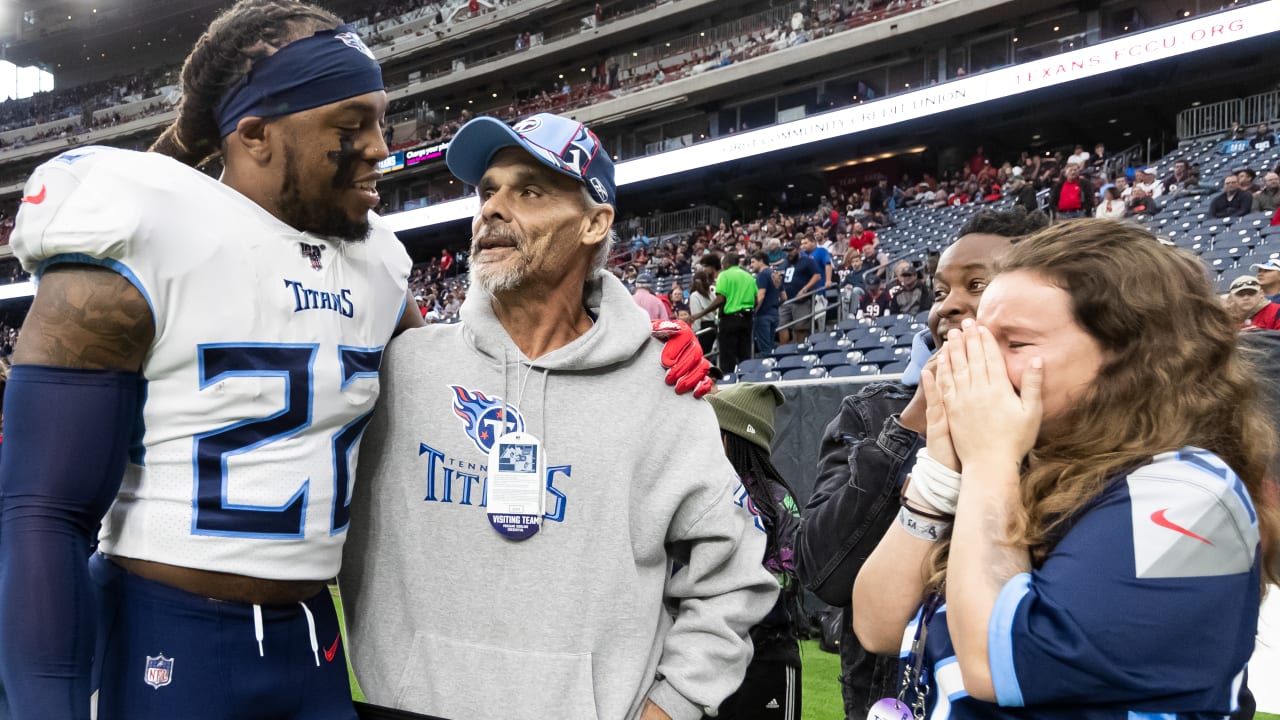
[(264, 367)]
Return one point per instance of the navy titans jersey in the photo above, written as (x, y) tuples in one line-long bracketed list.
[(1147, 608)]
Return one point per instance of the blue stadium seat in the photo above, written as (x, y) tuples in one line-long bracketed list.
[(844, 371), (835, 359), (785, 349), (894, 367), (792, 362), (756, 365), (827, 344), (729, 379), (758, 376), (873, 343), (804, 374), (846, 326), (880, 357)]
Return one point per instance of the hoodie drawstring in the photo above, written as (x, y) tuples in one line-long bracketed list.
[(311, 626), (257, 627)]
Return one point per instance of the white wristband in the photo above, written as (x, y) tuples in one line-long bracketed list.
[(933, 485), (921, 527)]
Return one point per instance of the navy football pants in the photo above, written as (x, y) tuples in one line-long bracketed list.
[(165, 653)]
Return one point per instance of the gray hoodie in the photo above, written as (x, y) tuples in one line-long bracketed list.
[(583, 619)]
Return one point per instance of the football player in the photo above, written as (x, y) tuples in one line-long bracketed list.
[(195, 374)]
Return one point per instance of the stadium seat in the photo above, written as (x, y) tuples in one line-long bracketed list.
[(835, 359), (792, 362), (756, 365), (904, 340), (827, 344), (850, 325), (880, 357), (804, 374), (785, 349), (894, 368), (757, 376), (844, 371)]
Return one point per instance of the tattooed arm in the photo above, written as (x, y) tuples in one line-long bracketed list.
[(87, 318), (72, 402)]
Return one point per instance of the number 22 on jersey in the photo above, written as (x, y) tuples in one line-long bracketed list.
[(213, 513)]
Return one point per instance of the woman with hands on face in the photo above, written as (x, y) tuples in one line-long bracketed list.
[(1083, 536)]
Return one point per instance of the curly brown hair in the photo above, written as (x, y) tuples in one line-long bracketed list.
[(1172, 377)]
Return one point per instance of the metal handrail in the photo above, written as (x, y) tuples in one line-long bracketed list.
[(1215, 118)]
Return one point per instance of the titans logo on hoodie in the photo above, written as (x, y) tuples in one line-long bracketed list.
[(451, 479)]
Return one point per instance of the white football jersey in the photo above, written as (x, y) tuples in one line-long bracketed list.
[(264, 368)]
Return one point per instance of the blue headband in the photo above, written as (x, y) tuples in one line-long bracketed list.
[(329, 66)]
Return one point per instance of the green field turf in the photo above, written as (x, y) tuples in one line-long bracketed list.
[(819, 684)]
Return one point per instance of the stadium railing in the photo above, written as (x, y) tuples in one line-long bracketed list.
[(1216, 118)]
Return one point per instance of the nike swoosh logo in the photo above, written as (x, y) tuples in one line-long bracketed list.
[(1158, 518), (333, 649), (37, 198)]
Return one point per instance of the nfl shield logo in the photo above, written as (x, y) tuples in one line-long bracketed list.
[(159, 671)]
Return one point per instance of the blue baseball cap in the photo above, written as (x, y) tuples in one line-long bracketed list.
[(559, 143)]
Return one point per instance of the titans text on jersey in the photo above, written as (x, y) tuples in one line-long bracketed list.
[(254, 406)]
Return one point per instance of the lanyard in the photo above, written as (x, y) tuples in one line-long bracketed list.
[(915, 675)]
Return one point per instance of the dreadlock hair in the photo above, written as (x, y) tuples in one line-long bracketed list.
[(248, 31), (1013, 223)]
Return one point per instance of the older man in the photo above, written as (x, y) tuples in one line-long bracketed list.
[(1268, 198), (515, 539), (1250, 307), (1232, 201)]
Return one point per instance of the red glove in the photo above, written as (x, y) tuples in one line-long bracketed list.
[(682, 356)]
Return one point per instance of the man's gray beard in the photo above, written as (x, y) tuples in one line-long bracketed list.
[(494, 279)]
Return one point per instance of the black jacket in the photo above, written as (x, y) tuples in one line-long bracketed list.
[(864, 455), (1221, 206)]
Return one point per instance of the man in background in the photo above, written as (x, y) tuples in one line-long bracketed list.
[(800, 277), (1267, 199), (768, 295), (909, 295), (870, 445), (1250, 307), (1232, 201), (1269, 278), (644, 297)]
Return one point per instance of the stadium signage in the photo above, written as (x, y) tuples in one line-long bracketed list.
[(394, 162), (420, 155), (1192, 35)]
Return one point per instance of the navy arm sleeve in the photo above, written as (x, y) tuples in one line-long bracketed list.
[(856, 493), (67, 436)]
